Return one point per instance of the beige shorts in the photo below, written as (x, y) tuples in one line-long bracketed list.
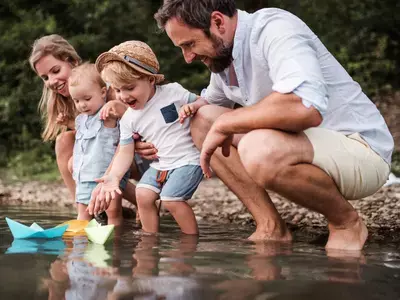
[(357, 170)]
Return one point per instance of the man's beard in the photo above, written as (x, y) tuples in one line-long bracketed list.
[(223, 57)]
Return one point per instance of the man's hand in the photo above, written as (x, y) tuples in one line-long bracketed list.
[(215, 138)]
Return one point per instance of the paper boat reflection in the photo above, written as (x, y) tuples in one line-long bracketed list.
[(52, 247), (21, 231), (97, 255)]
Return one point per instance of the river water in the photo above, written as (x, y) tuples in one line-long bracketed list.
[(219, 264)]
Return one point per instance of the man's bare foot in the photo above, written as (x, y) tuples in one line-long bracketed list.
[(279, 235), (351, 237)]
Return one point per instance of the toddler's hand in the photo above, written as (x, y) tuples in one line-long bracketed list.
[(95, 193), (113, 109), (109, 186), (188, 110)]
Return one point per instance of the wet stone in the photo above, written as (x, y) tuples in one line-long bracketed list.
[(214, 202)]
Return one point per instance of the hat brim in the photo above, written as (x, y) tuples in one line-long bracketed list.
[(107, 57)]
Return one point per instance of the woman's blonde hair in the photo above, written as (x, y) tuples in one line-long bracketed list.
[(51, 103), (117, 74)]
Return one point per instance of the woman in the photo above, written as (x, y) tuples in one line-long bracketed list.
[(53, 58)]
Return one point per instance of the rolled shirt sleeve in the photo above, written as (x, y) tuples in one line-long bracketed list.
[(293, 63), (192, 98)]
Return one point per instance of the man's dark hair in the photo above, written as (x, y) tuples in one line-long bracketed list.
[(195, 13)]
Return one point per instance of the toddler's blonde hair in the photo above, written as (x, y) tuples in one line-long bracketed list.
[(85, 70)]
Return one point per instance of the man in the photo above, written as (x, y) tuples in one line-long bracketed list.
[(306, 130)]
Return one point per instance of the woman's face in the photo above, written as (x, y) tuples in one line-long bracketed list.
[(55, 74)]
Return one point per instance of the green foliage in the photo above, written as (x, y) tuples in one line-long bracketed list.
[(396, 163), (363, 35), (36, 164)]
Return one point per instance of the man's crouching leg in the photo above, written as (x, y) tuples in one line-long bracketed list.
[(270, 225), (285, 163)]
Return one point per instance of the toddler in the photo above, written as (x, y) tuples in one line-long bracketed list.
[(132, 70), (96, 140)]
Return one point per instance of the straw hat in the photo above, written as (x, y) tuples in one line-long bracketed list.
[(136, 55)]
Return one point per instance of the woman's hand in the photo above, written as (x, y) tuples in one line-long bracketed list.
[(144, 149)]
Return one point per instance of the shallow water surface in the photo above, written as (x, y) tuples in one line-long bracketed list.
[(219, 264)]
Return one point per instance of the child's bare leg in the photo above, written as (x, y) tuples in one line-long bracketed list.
[(114, 211), (82, 213), (130, 194), (183, 215), (147, 209), (130, 190)]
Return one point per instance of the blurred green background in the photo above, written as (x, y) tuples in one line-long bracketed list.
[(364, 35)]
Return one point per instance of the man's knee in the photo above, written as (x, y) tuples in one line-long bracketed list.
[(203, 120), (200, 125), (260, 156)]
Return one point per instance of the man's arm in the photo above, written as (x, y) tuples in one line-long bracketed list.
[(276, 111)]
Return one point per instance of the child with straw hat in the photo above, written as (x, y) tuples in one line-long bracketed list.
[(158, 113)]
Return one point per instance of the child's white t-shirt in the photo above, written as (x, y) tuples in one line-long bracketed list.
[(158, 123)]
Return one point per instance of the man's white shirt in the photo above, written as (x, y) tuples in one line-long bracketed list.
[(276, 51)]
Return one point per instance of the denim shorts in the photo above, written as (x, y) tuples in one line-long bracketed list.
[(84, 190), (180, 183)]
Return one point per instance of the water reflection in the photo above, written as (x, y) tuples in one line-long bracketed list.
[(345, 266), (90, 271), (150, 260), (82, 272), (220, 264), (51, 247)]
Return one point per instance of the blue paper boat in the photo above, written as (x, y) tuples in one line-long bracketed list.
[(52, 247), (21, 231)]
